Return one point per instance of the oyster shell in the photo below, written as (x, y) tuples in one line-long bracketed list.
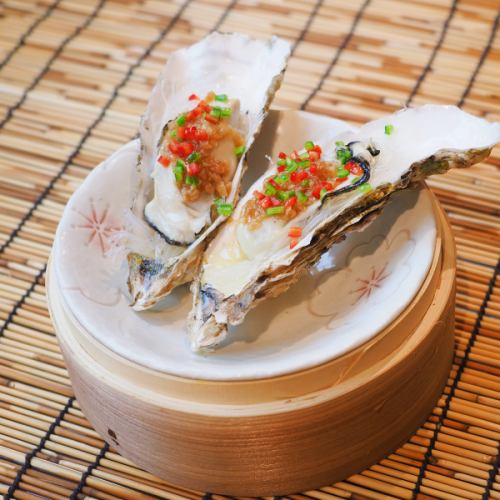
[(252, 259), (246, 73)]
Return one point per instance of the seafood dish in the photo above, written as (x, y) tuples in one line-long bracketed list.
[(309, 199), (204, 113)]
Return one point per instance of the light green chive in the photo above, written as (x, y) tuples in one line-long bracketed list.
[(275, 210), (343, 154), (181, 120), (309, 145), (226, 112), (216, 111), (292, 167), (389, 129), (225, 209), (340, 144), (365, 188), (221, 97), (302, 197), (322, 193), (179, 170), (281, 163), (356, 179), (270, 190), (239, 150), (192, 180), (342, 173), (195, 156), (173, 133), (285, 195), (281, 179)]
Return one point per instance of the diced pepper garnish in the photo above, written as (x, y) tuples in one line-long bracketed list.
[(282, 155), (173, 133), (193, 169), (293, 243), (239, 150), (354, 168), (291, 202), (173, 147), (295, 232), (342, 172), (193, 97), (184, 149), (226, 112), (181, 120), (389, 129), (281, 163), (309, 145), (292, 167), (313, 155), (221, 97), (313, 168), (259, 195), (164, 160), (211, 119), (275, 210), (266, 202)]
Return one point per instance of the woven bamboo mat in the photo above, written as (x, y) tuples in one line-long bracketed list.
[(74, 79)]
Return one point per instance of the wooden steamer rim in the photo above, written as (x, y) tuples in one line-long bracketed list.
[(278, 435)]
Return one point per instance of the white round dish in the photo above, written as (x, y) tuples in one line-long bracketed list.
[(357, 288)]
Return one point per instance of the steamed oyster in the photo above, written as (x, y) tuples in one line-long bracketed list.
[(203, 115), (310, 199)]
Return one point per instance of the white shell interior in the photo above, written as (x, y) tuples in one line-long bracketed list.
[(356, 290)]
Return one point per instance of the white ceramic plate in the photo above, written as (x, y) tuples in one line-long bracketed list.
[(357, 288)]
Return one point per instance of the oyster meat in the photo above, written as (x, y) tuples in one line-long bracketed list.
[(202, 117), (309, 199)]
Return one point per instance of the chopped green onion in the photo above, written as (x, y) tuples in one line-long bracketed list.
[(225, 209), (365, 188), (305, 164), (216, 111), (281, 163), (270, 190), (192, 180), (285, 195), (289, 162), (221, 97), (226, 112), (179, 170), (309, 145), (195, 156), (342, 173), (306, 183), (389, 129), (302, 197), (292, 167), (239, 150), (181, 120), (343, 154), (340, 144), (304, 156), (173, 133), (275, 210), (282, 179), (322, 193), (356, 179)]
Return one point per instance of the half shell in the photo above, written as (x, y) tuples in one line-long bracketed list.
[(249, 71), (242, 267)]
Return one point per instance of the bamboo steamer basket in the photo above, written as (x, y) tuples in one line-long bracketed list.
[(278, 435)]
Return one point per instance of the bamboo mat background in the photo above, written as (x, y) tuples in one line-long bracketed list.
[(74, 79)]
